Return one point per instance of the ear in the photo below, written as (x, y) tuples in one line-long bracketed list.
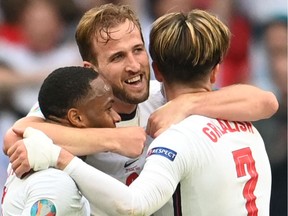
[(157, 73), (214, 73), (87, 64), (75, 118)]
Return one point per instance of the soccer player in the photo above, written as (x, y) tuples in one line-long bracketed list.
[(209, 166), (110, 40), (75, 97)]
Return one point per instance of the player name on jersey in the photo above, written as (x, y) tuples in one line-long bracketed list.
[(215, 130)]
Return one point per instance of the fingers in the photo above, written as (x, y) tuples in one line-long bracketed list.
[(151, 127), (131, 146), (19, 132), (18, 158), (20, 167), (14, 148), (155, 128)]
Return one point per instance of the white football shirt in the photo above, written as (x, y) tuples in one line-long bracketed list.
[(120, 167), (213, 167), (47, 192)]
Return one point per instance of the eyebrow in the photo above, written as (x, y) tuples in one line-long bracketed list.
[(110, 101)]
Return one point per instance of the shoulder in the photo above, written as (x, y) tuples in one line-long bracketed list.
[(191, 123), (56, 188), (184, 133), (54, 179), (51, 189)]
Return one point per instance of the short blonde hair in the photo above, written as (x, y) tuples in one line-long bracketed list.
[(186, 47)]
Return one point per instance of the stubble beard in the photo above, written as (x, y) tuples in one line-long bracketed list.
[(130, 98)]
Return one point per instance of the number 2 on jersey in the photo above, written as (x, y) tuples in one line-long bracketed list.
[(243, 158)]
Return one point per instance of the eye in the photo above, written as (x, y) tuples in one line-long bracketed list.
[(139, 50), (117, 57), (109, 109)]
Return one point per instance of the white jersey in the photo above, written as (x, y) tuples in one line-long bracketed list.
[(47, 192), (120, 167), (213, 167)]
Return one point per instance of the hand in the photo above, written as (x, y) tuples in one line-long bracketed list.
[(37, 149), (17, 154), (130, 141), (171, 113), (42, 153), (15, 133)]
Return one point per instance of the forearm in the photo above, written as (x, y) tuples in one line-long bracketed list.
[(85, 141), (78, 141), (149, 192), (235, 103), (75, 140), (115, 199)]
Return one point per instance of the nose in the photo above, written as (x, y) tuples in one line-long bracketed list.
[(116, 117), (132, 63)]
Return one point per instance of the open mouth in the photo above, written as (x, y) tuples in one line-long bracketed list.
[(134, 80)]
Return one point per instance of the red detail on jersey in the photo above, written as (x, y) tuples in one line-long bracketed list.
[(244, 157), (3, 195), (215, 131), (131, 178)]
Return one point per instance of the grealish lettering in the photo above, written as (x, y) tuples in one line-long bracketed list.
[(215, 131)]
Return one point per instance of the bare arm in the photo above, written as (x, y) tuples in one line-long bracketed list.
[(84, 141), (235, 103)]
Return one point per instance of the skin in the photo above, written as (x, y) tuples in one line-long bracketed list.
[(96, 111), (174, 90), (124, 59), (124, 62)]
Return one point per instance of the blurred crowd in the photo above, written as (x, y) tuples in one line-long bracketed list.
[(37, 36)]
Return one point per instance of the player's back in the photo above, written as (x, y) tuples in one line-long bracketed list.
[(225, 170)]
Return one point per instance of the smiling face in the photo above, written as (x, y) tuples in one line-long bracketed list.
[(123, 61), (97, 109)]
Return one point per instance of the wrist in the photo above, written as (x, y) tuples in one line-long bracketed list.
[(197, 104), (64, 159)]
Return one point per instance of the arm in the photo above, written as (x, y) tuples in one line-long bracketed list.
[(151, 190), (148, 193), (84, 141), (235, 103)]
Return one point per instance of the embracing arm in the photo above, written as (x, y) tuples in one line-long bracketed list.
[(84, 141), (143, 197), (238, 102), (151, 190)]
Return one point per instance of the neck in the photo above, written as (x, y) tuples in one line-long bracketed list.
[(173, 91)]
